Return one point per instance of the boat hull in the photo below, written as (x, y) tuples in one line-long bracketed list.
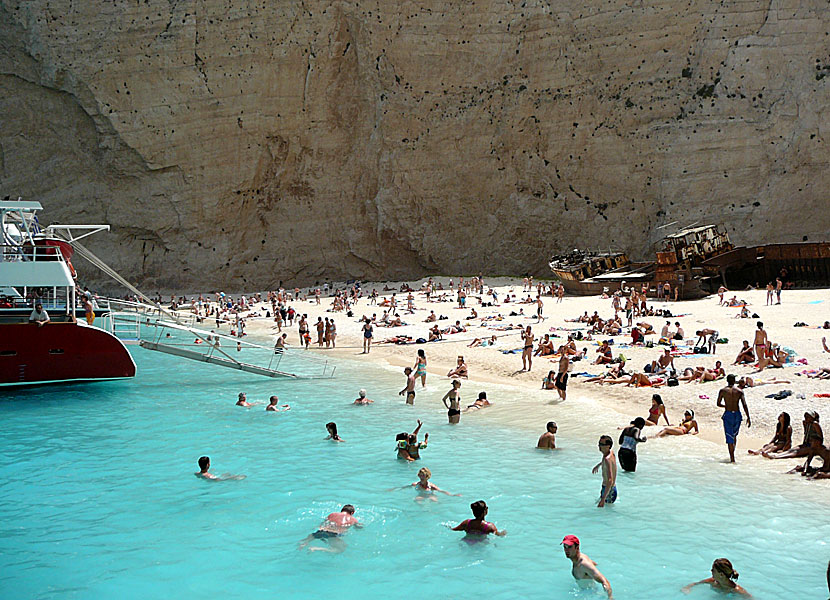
[(59, 352)]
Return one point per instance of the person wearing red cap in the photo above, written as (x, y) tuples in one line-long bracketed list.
[(584, 569)]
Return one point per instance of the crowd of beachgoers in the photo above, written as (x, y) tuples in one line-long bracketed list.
[(705, 357)]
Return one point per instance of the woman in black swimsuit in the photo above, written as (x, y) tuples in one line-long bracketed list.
[(454, 404)]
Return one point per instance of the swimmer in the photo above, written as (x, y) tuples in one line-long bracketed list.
[(332, 429), (426, 490), (547, 441), (477, 526), (362, 399), (332, 530), (584, 569), (273, 407), (722, 579), (243, 400), (480, 402), (204, 472), (608, 494)]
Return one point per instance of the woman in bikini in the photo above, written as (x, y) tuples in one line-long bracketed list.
[(477, 526), (549, 381), (452, 400), (722, 579), (689, 425), (783, 438), (657, 409), (421, 367), (812, 435)]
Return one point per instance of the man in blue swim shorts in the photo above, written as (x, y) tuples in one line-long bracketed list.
[(731, 399)]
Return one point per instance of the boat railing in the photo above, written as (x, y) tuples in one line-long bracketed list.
[(29, 253)]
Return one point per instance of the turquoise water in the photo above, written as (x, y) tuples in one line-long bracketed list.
[(98, 499)]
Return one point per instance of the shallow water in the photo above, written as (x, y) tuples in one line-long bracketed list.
[(98, 498)]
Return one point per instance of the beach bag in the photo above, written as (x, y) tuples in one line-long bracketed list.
[(647, 368), (672, 382), (420, 341)]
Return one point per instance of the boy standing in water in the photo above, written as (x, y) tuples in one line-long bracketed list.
[(410, 386), (608, 495)]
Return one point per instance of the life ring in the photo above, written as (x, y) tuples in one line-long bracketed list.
[(72, 270)]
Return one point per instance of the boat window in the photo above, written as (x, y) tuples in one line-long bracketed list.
[(56, 351), (8, 353)]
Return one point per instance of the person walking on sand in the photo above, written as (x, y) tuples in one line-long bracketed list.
[(421, 367), (409, 389), (608, 494), (527, 350), (730, 399), (584, 569), (452, 400)]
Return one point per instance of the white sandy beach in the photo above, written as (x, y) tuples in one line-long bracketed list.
[(530, 407)]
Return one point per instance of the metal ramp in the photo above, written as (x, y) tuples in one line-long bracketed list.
[(207, 348)]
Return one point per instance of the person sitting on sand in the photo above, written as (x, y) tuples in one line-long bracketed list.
[(744, 314), (425, 489), (687, 426), (545, 347), (431, 318), (663, 364), (547, 441), (480, 402), (646, 328), (435, 334), (477, 526), (605, 355), (746, 355), (549, 382), (782, 440), (775, 357), (274, 407), (813, 435), (331, 530), (362, 399), (722, 579), (657, 410), (460, 369)]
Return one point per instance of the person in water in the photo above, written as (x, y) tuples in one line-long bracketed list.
[(331, 531), (204, 472), (409, 389), (547, 441), (479, 403), (629, 438), (608, 494), (421, 367), (274, 407), (688, 426), (477, 526), (723, 579), (333, 436), (426, 489), (452, 400), (362, 399), (584, 569), (243, 400)]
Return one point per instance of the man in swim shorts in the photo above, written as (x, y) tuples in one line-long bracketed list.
[(608, 493), (332, 530), (584, 569), (731, 399), (410, 386)]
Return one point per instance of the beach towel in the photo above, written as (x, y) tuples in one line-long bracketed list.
[(821, 395), (815, 302), (514, 351), (584, 374)]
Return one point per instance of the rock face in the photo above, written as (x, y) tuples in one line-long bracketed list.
[(297, 141)]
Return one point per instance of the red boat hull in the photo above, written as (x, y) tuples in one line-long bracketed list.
[(59, 352)]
